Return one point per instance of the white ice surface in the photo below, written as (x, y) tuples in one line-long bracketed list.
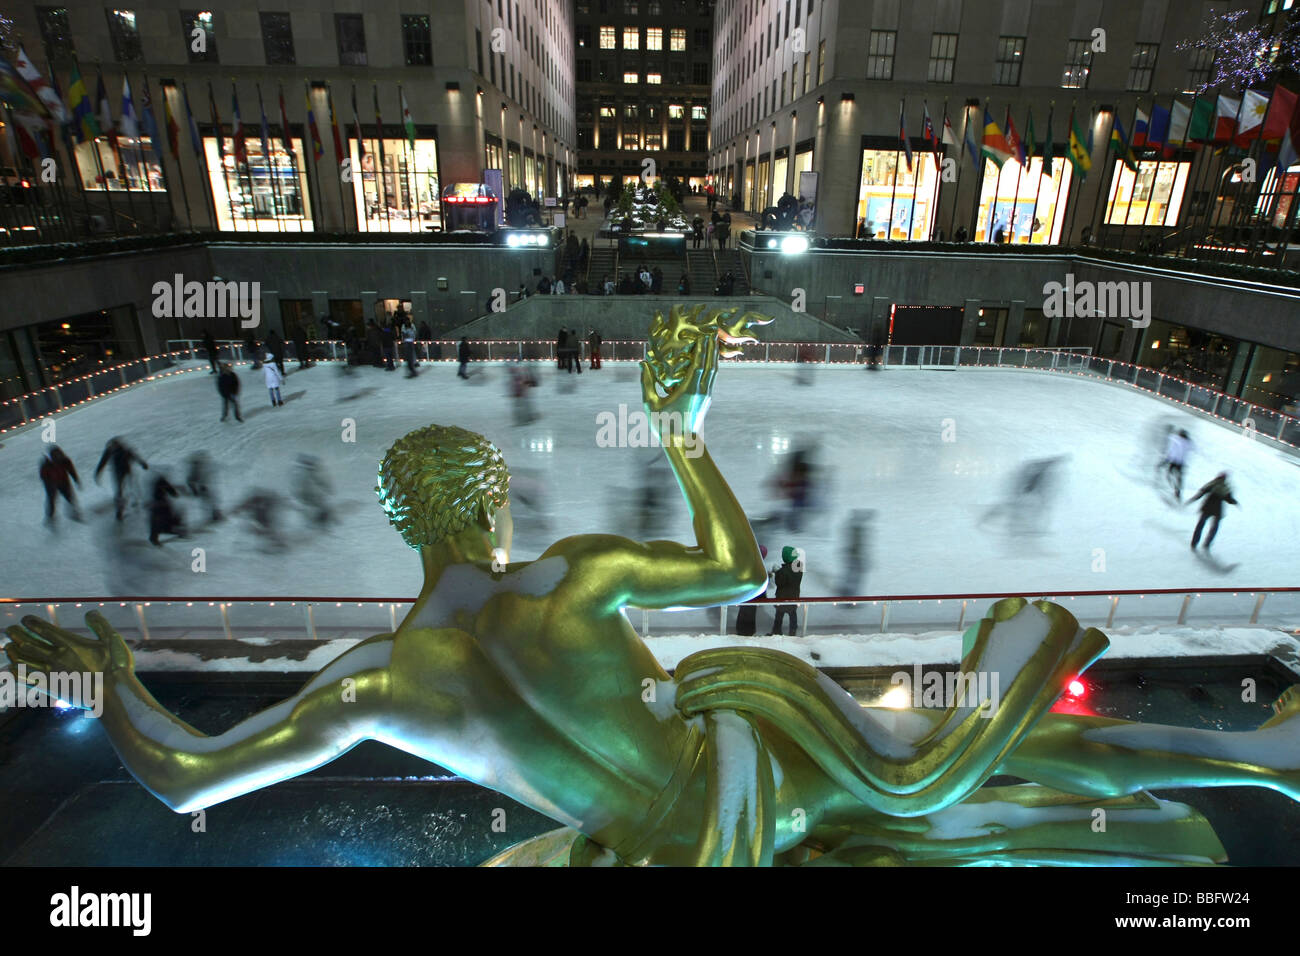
[(878, 440)]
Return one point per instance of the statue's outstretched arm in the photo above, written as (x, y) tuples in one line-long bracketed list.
[(185, 768)]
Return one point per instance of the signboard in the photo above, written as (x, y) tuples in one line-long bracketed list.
[(549, 202)]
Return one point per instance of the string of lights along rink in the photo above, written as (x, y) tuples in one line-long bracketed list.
[(930, 457)]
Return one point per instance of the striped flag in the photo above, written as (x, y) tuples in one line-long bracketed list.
[(285, 139), (48, 96), (173, 130), (106, 124), (1119, 145), (15, 92), (317, 149), (410, 124), (902, 135), (334, 128), (83, 113), (995, 145), (127, 124), (196, 141), (1080, 154), (1014, 141), (237, 127), (150, 125)]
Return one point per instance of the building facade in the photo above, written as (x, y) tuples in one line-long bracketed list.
[(829, 86), (643, 71), (385, 104)]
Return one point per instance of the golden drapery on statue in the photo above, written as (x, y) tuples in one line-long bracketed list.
[(527, 678)]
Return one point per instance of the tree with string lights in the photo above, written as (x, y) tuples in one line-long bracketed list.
[(1245, 56)]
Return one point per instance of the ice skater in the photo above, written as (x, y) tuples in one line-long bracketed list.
[(122, 457), (274, 380), (1178, 444), (856, 551), (210, 347), (463, 354), (198, 480), (788, 579), (312, 489), (261, 507), (163, 516), (228, 389), (521, 380), (1028, 496), (57, 474), (1216, 493)]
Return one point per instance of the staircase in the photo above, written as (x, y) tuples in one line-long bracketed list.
[(704, 277), (730, 260), (602, 261)]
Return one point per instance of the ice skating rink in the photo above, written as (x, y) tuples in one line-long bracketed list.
[(929, 452)]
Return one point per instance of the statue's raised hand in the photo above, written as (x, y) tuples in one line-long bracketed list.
[(46, 649)]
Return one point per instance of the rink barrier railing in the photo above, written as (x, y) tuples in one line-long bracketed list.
[(297, 618), (1251, 419)]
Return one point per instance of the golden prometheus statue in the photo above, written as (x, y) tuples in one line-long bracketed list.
[(527, 678)]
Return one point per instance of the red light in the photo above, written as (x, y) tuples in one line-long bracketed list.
[(1076, 688)]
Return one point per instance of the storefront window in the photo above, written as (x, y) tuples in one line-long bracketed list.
[(886, 209), (749, 185), (1278, 194), (405, 196), (1151, 197), (1019, 205), (780, 168), (1273, 380), (764, 192), (266, 195), (132, 165), (515, 178), (1200, 357), (78, 345), (803, 163)]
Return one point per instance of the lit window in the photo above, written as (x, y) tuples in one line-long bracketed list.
[(880, 58), (631, 38), (676, 111), (608, 38), (677, 40), (1142, 66), (125, 35), (1006, 69), (630, 78), (654, 38), (699, 112), (653, 78), (1078, 64)]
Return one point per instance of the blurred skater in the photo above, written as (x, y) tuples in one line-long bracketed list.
[(312, 489), (163, 516), (788, 579), (228, 389), (262, 507), (1177, 445), (796, 487), (594, 342), (408, 346), (57, 474), (210, 346), (1029, 496), (274, 379), (198, 480), (521, 382), (463, 354), (122, 457), (1216, 493), (857, 549)]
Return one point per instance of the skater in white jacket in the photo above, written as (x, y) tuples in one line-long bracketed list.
[(273, 380)]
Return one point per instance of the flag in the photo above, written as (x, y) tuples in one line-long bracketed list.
[(995, 145), (1080, 155), (334, 128), (1200, 128), (902, 136), (48, 95), (1280, 111), (149, 125), (972, 146), (285, 139), (1290, 141), (1119, 144), (1158, 133), (216, 122), (106, 124), (1226, 111), (927, 129), (410, 124), (317, 150), (949, 137), (173, 130), (379, 127), (1141, 124), (30, 130), (1014, 142), (237, 128), (83, 114), (1254, 107), (1029, 141), (1047, 144), (64, 127), (196, 141), (15, 92), (356, 122), (127, 123), (266, 130)]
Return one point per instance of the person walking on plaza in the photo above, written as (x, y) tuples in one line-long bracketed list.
[(593, 345), (57, 474), (274, 380), (697, 230), (122, 457), (408, 345), (789, 579), (1216, 493), (275, 345), (463, 354), (210, 347), (228, 389)]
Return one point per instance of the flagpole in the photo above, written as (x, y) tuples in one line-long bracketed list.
[(1279, 177), (338, 173), (1078, 193), (286, 140), (115, 143), (1155, 178), (1206, 157), (272, 165), (22, 163), (381, 170), (313, 189), (1249, 217), (406, 175), (916, 178), (979, 182), (1038, 189), (1123, 233), (1069, 164), (961, 153), (201, 161), (893, 184), (1110, 206), (1015, 195), (189, 221), (938, 170)]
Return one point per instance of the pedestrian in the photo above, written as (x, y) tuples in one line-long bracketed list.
[(559, 350), (1216, 492), (657, 281), (57, 474), (388, 341), (697, 228), (607, 286), (544, 286), (558, 287), (210, 347), (684, 285), (300, 345), (789, 579), (274, 379), (584, 253), (593, 345), (253, 351), (1177, 446), (463, 354), (425, 333), (228, 389), (122, 457)]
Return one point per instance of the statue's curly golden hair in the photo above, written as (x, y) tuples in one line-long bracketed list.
[(439, 480)]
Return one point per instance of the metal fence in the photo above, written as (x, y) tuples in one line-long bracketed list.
[(306, 618)]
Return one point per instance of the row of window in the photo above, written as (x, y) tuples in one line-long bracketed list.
[(767, 99), (199, 37), (1010, 56), (654, 38), (607, 73), (653, 8)]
